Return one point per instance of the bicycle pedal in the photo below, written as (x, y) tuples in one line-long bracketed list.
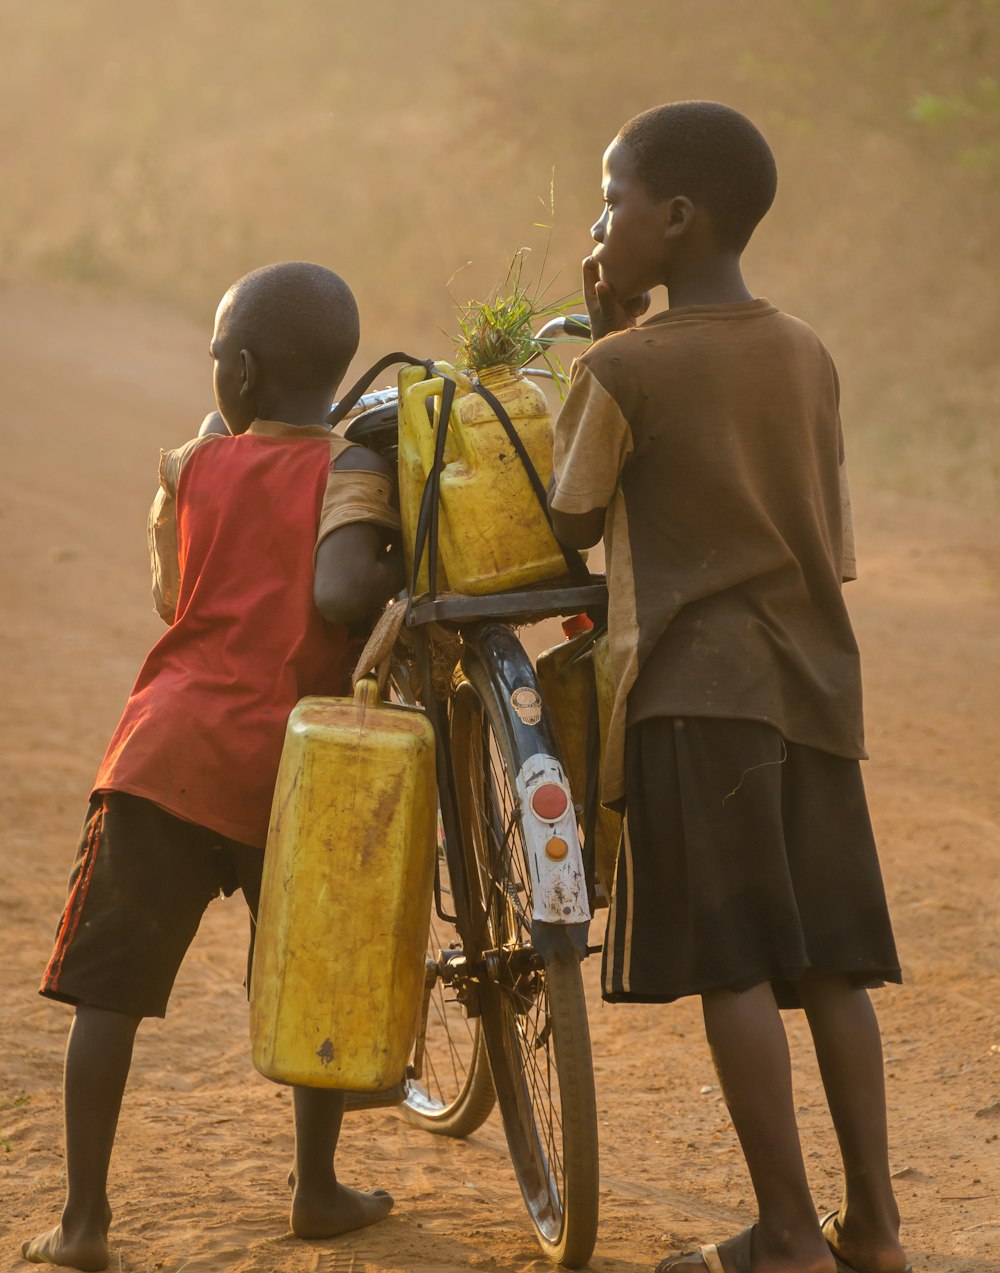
[(385, 1099), (595, 950)]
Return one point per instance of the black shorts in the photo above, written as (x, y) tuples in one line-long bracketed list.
[(138, 889), (745, 859)]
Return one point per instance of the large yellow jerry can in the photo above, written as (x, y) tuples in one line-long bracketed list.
[(573, 681), (493, 534), (339, 957)]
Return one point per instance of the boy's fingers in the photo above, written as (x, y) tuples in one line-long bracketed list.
[(607, 313), (591, 276), (610, 305), (638, 305)]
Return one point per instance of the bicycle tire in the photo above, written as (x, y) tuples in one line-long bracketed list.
[(447, 1089), (452, 1095), (534, 1022)]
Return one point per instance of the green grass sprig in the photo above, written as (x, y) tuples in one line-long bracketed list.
[(499, 331)]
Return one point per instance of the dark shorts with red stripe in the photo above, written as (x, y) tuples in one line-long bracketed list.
[(746, 858), (137, 891)]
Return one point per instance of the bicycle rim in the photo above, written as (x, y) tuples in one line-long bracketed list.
[(534, 1015), (448, 1086)]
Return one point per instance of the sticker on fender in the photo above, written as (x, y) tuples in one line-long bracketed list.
[(527, 703)]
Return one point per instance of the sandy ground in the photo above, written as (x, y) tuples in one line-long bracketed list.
[(91, 389)]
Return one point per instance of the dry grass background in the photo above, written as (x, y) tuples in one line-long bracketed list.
[(166, 149)]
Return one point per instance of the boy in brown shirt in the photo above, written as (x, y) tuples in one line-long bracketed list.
[(705, 446)]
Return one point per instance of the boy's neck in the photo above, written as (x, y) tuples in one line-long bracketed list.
[(290, 408), (716, 280)]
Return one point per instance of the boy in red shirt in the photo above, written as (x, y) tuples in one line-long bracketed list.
[(271, 547), (705, 445)]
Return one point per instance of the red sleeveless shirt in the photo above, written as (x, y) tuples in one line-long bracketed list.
[(202, 730)]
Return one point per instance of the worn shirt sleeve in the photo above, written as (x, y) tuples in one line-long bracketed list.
[(592, 442), (355, 495), (849, 561), (164, 561), (849, 564)]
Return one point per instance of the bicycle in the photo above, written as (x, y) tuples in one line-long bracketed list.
[(512, 898)]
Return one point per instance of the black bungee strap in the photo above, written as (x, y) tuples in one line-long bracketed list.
[(426, 534), (356, 391)]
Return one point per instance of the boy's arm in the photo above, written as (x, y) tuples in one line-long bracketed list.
[(161, 531), (359, 558), (576, 530), (162, 535), (214, 423), (592, 443)]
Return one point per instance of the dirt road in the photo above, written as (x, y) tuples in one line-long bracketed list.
[(91, 389)]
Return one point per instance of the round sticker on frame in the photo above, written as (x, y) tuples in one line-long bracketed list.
[(527, 702)]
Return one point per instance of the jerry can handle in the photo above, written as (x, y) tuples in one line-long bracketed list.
[(415, 414), (414, 397)]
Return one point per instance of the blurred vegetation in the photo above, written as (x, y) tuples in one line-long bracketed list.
[(166, 149)]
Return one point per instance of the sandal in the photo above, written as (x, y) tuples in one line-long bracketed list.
[(829, 1222), (738, 1247)]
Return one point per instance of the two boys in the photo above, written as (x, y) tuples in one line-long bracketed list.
[(705, 446)]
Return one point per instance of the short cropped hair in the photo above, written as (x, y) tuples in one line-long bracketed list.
[(300, 319), (713, 155)]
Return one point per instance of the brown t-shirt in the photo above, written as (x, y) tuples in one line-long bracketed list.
[(711, 435)]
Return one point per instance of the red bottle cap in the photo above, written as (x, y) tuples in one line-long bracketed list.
[(576, 624)]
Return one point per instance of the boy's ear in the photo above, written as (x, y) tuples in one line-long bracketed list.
[(248, 372), (679, 215)]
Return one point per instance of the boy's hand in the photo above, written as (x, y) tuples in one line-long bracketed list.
[(607, 313)]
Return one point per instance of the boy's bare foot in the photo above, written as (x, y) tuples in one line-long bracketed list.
[(86, 1249), (327, 1215)]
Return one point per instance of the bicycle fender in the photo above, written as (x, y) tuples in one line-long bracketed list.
[(559, 883), (554, 854)]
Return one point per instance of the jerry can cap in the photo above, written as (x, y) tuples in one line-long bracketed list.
[(366, 692), (576, 624)]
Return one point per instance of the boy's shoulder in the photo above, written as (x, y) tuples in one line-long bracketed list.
[(667, 341), (171, 462), (354, 457)]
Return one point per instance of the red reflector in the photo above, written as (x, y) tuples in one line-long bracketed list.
[(549, 801)]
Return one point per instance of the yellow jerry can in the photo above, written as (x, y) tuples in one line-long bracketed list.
[(575, 680), (493, 533), (339, 957)]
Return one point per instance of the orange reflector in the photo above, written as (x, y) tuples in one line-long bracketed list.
[(556, 848), (549, 801)]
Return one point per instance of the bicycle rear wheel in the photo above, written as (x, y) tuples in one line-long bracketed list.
[(533, 1010), (448, 1089)]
